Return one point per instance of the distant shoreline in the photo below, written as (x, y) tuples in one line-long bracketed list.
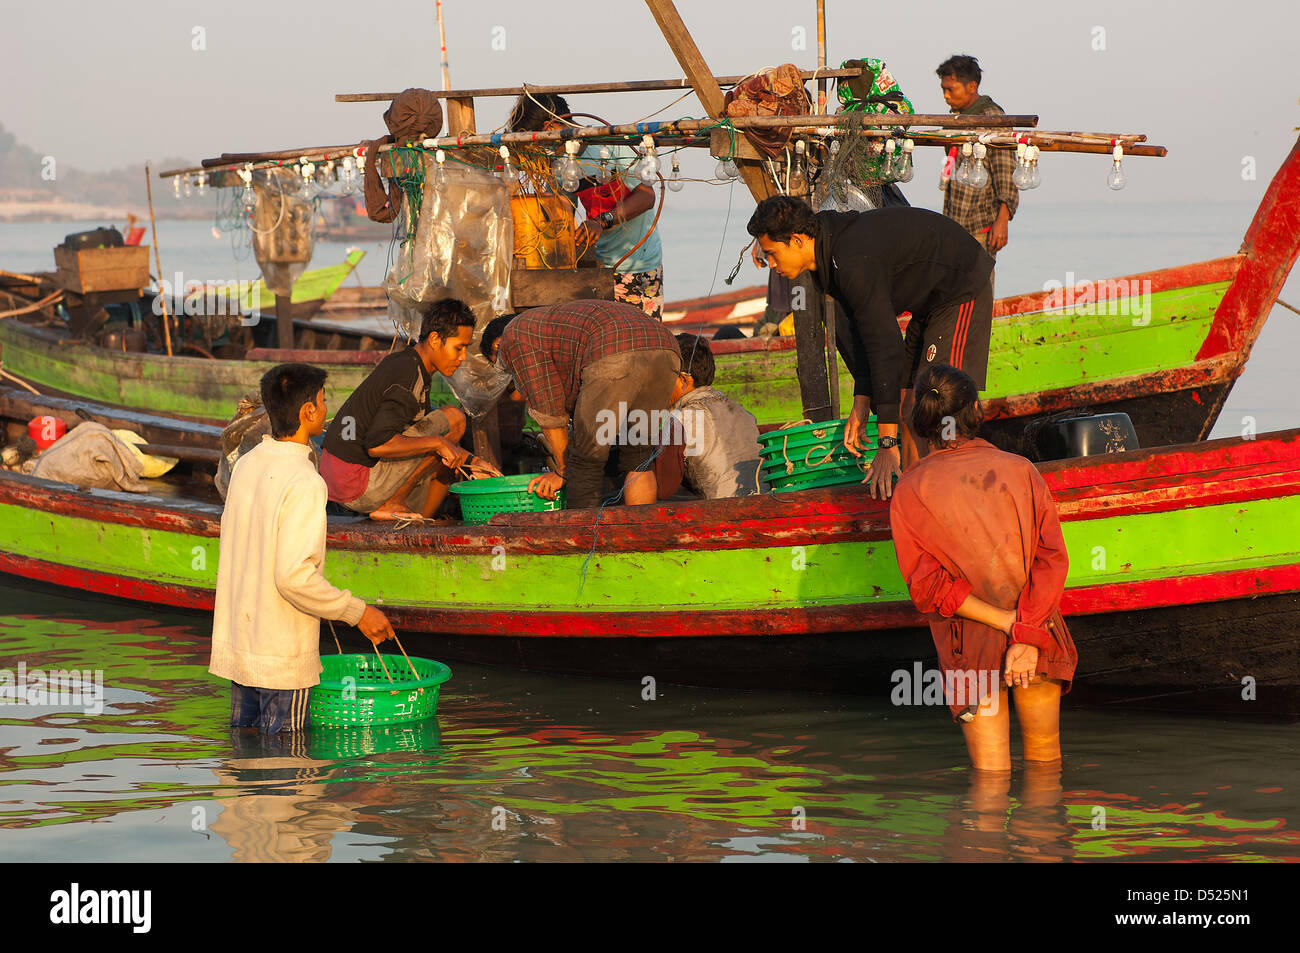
[(58, 211)]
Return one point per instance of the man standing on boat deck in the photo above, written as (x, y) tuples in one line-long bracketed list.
[(271, 594), (877, 265), (387, 452), (610, 369), (986, 212), (619, 212)]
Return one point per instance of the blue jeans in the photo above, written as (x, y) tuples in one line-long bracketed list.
[(269, 710)]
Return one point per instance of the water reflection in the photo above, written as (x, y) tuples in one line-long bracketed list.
[(521, 767)]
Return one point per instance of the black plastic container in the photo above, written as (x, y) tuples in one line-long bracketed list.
[(1087, 436)]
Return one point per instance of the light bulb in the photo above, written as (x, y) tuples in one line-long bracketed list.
[(248, 200), (835, 147), (675, 182), (1019, 177), (906, 169), (979, 176), (725, 170), (648, 170), (187, 187), (439, 177), (509, 174), (176, 186), (1116, 179), (962, 175), (891, 172), (1035, 177), (202, 185)]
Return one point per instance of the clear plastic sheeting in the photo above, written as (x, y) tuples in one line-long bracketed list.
[(478, 384), (283, 237), (461, 247)]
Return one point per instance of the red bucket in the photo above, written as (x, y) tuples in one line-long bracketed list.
[(45, 430)]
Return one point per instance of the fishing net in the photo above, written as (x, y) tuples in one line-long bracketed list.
[(859, 172), (458, 242)]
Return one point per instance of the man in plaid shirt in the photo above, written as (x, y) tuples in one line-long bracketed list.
[(606, 366), (982, 212)]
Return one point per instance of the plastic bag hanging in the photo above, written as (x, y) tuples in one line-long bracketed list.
[(283, 233), (459, 244)]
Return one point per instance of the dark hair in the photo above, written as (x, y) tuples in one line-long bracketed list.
[(961, 67), (781, 216), (285, 388), (444, 317), (697, 358), (533, 111), (492, 332), (945, 394)]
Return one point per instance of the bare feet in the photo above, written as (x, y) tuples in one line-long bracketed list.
[(392, 511)]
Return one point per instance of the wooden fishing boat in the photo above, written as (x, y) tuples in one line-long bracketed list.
[(1164, 346), (1184, 580)]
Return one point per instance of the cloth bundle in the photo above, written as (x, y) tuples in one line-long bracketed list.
[(775, 91), (415, 115)]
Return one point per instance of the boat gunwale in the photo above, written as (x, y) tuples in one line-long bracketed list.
[(1233, 470)]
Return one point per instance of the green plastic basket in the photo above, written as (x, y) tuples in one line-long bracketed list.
[(354, 690), (812, 479), (480, 500), (815, 453), (339, 742)]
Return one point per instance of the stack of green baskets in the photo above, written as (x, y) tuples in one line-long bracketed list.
[(812, 455), (480, 500), (355, 690)]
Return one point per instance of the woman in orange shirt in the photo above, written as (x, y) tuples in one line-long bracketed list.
[(979, 543)]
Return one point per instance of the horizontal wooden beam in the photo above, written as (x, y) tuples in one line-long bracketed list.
[(633, 86)]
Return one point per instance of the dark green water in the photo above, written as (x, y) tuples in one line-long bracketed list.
[(531, 767)]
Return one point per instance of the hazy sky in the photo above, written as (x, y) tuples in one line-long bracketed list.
[(100, 84)]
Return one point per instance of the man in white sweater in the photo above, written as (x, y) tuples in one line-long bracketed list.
[(271, 594)]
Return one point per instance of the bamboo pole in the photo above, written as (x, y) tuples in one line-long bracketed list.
[(162, 298), (442, 40), (884, 125), (631, 86), (821, 56)]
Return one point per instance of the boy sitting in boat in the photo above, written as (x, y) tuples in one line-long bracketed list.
[(387, 452), (716, 449), (877, 265), (610, 369), (271, 594), (979, 543)]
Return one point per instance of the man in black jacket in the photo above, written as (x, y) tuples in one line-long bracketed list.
[(877, 265)]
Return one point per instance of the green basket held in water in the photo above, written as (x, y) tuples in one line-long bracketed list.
[(359, 689), (480, 500), (806, 456)]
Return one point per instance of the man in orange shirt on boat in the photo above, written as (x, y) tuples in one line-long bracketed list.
[(271, 594)]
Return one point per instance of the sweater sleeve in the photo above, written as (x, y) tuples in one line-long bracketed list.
[(1042, 593), (299, 539), (869, 307), (932, 588)]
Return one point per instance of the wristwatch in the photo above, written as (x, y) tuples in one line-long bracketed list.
[(887, 442), (606, 219)]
